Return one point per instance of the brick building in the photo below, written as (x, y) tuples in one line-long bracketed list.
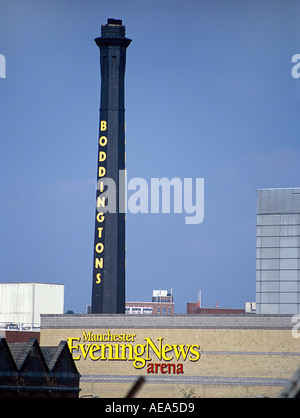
[(194, 308), (162, 304), (213, 355)]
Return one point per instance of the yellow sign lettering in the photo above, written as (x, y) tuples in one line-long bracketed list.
[(99, 248), (194, 352), (101, 202), (101, 188), (100, 217), (94, 348), (98, 263), (84, 349), (103, 125), (156, 350), (103, 141), (109, 346), (85, 336), (166, 349), (102, 156), (101, 171), (73, 347), (182, 350)]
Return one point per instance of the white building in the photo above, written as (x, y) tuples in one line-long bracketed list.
[(278, 251), (162, 296), (22, 304)]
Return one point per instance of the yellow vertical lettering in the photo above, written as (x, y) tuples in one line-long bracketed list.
[(101, 171), (99, 248), (98, 278), (100, 232), (102, 141), (102, 156), (101, 202), (100, 217), (103, 125), (98, 263)]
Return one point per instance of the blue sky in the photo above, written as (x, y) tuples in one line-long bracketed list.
[(209, 94)]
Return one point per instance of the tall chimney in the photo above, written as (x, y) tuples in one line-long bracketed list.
[(108, 290)]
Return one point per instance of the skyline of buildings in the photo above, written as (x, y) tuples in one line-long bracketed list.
[(186, 118), (277, 265)]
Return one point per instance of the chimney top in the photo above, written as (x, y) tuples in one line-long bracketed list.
[(115, 22), (113, 33)]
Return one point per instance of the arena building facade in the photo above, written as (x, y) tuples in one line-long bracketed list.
[(207, 355)]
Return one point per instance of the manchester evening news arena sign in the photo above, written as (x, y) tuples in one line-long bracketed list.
[(122, 347)]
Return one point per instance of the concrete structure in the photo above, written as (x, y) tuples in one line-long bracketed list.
[(213, 355), (278, 249), (108, 291), (21, 304)]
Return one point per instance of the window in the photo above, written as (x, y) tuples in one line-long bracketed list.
[(147, 311), (136, 310)]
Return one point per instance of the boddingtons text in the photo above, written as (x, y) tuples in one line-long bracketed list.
[(138, 353)]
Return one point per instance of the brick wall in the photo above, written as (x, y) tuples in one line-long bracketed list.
[(241, 356)]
